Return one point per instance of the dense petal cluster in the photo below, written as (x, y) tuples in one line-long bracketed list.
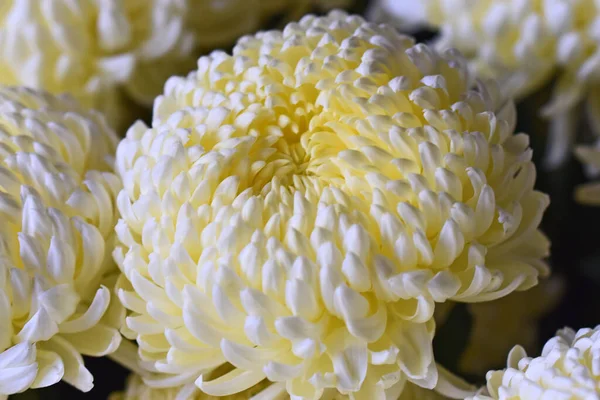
[(96, 50), (57, 195), (525, 43), (297, 209), (569, 368)]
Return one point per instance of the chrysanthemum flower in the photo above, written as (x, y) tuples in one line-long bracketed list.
[(569, 368), (499, 324), (298, 208), (136, 389), (525, 44), (57, 196), (94, 50)]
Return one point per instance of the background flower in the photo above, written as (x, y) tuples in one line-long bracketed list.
[(94, 50), (340, 180), (56, 200), (566, 369)]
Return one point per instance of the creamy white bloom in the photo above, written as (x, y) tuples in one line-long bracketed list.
[(525, 44), (568, 369), (94, 49), (298, 208), (57, 196)]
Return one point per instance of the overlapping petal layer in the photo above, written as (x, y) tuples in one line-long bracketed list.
[(298, 208), (98, 50), (137, 390), (57, 196), (525, 44)]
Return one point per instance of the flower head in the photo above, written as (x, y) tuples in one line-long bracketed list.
[(567, 369), (525, 44), (298, 208), (56, 203)]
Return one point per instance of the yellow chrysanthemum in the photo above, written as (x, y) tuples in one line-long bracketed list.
[(499, 324), (137, 390), (299, 206), (569, 369), (525, 43), (57, 196)]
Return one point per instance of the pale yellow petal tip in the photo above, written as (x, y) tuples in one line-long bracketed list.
[(588, 194), (57, 196), (299, 207), (566, 368)]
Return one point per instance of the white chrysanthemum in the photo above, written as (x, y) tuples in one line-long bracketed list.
[(568, 369), (525, 43), (93, 49), (57, 196), (300, 206), (137, 390)]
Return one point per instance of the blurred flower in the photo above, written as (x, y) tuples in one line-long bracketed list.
[(94, 50), (298, 208), (57, 196), (589, 193), (499, 324), (137, 390), (406, 15), (569, 368), (525, 44)]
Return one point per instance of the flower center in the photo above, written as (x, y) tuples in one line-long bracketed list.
[(293, 154)]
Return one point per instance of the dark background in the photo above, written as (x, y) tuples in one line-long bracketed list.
[(573, 229)]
